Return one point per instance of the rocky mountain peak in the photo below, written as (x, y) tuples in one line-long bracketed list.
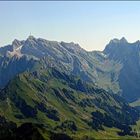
[(30, 40), (31, 37), (123, 40), (118, 41), (16, 43)]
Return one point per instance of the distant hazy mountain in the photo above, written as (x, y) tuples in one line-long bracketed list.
[(128, 55), (69, 57), (116, 69)]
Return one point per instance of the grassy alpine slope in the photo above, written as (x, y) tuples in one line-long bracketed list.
[(55, 104)]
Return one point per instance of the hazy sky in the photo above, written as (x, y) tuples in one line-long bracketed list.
[(91, 24)]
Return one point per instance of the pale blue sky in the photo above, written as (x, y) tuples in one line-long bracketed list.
[(91, 24)]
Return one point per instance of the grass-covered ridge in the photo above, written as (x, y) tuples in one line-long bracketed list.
[(66, 104)]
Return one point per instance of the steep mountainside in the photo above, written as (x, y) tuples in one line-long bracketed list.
[(89, 66), (65, 104), (57, 89), (116, 69), (128, 55)]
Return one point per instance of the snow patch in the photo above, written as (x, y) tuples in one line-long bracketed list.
[(102, 54), (19, 48), (15, 52)]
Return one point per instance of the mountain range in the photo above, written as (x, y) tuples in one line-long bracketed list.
[(58, 89), (116, 68)]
